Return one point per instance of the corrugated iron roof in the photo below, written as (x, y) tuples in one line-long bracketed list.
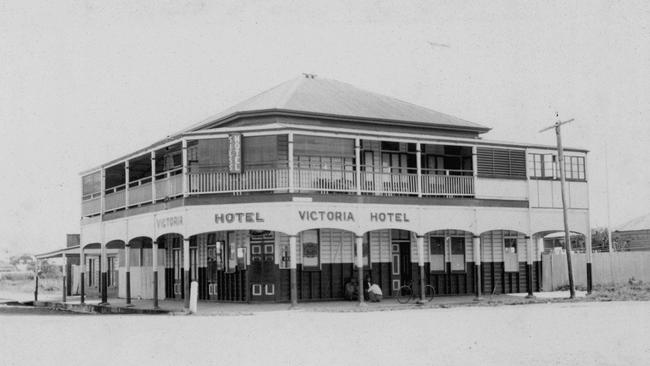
[(314, 95), (639, 223)]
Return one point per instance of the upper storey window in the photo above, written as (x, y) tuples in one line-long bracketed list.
[(501, 163), (545, 166)]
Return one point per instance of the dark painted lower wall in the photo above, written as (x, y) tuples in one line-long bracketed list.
[(328, 282), (495, 280)]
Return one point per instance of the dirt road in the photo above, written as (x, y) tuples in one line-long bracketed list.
[(605, 333)]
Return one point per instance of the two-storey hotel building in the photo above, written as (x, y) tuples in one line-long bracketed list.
[(289, 194)]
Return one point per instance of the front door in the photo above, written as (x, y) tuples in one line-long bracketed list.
[(405, 262), (262, 271)]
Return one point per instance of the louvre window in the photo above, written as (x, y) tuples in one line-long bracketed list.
[(501, 163)]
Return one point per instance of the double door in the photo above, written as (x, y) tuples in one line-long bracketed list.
[(262, 271)]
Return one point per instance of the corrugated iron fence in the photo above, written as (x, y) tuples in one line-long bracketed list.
[(608, 269)]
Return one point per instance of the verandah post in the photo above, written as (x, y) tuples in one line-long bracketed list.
[(357, 157), (104, 274), (292, 270), (65, 278), (290, 163), (153, 177), (529, 266), (420, 243), (185, 174), (418, 163), (359, 244), (154, 264), (186, 273), (82, 273), (476, 242), (127, 265)]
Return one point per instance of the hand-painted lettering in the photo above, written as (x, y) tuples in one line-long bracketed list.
[(237, 217), (326, 215), (389, 217)]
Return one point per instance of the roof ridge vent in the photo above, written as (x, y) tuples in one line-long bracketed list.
[(309, 76)]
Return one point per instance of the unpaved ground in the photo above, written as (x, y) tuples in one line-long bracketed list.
[(597, 333)]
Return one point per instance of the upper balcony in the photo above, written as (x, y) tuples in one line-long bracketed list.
[(238, 164), (282, 164)]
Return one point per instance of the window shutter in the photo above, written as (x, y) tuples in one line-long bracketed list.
[(501, 163)]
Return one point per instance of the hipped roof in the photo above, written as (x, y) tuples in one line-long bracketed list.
[(330, 98), (639, 223)]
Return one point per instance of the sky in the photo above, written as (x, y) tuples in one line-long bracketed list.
[(84, 82)]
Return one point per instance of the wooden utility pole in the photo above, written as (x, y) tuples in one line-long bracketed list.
[(567, 239)]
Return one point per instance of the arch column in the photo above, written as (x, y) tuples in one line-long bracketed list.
[(104, 274), (127, 270), (65, 277), (82, 275), (154, 264), (186, 273), (420, 243), (529, 265), (359, 243), (293, 279), (476, 243)]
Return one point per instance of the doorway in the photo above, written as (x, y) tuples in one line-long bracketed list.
[(262, 271)]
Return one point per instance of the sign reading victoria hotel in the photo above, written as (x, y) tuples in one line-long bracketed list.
[(306, 215)]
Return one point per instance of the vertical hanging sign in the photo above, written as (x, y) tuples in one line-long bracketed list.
[(234, 153)]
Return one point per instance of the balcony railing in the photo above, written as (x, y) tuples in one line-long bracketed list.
[(115, 198), (448, 183), (169, 184), (248, 181), (316, 180), (389, 183)]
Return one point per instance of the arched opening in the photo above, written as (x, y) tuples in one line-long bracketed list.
[(114, 250), (92, 269), (170, 262), (504, 255), (449, 261), (554, 242)]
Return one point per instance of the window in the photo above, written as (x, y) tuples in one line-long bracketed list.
[(501, 163), (510, 259), (111, 272), (194, 268), (366, 252), (437, 253), (231, 253), (91, 185), (91, 272), (310, 250), (545, 166), (457, 253), (285, 257)]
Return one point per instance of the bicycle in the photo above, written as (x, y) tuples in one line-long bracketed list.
[(405, 293)]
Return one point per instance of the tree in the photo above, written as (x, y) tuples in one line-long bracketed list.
[(599, 239), (24, 262)]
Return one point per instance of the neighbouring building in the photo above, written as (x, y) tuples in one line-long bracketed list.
[(287, 195), (633, 235)]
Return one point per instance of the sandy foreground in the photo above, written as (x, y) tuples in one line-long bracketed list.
[(597, 333)]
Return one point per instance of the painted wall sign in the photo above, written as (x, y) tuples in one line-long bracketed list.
[(234, 153), (389, 217), (167, 222), (237, 217), (326, 215)]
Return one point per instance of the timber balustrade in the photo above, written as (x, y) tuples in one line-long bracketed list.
[(115, 198), (140, 191), (247, 181), (169, 184)]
